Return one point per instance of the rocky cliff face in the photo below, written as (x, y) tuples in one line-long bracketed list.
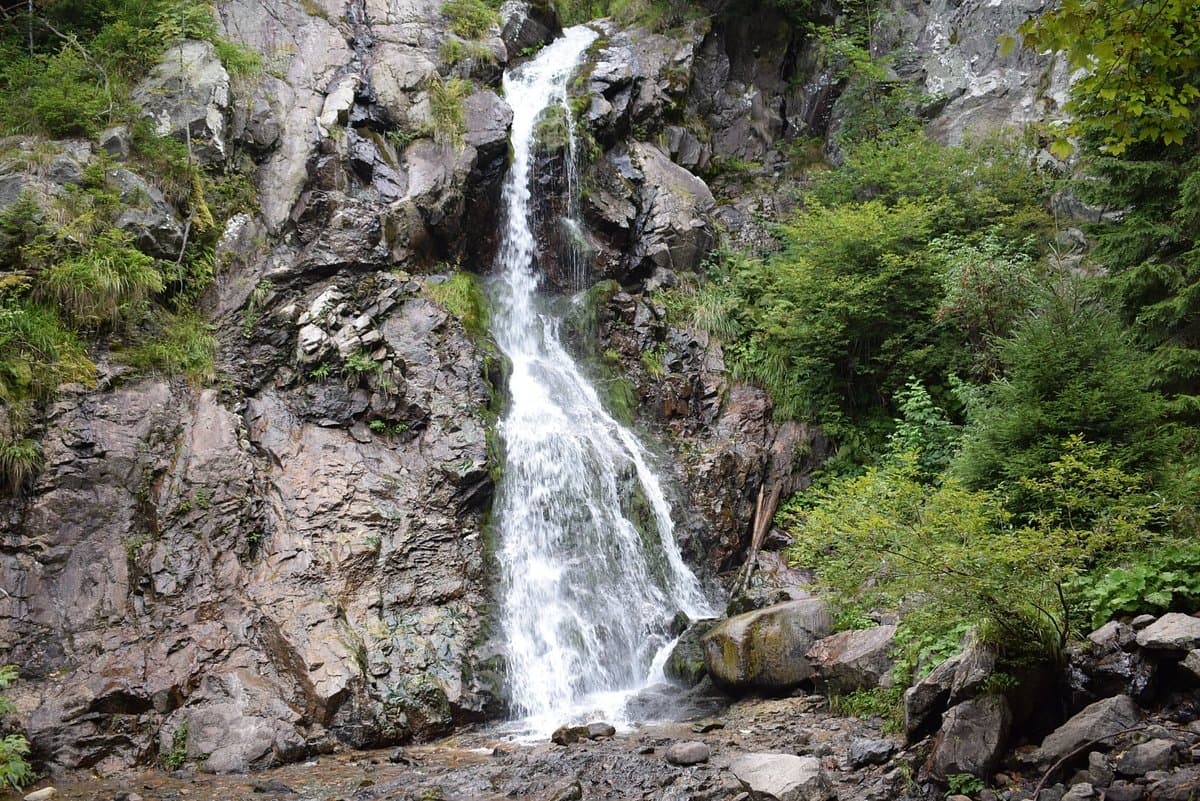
[(299, 553)]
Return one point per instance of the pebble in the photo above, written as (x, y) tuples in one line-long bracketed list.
[(44, 794)]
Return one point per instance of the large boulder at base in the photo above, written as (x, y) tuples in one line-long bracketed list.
[(782, 777), (765, 649), (1101, 719), (188, 97), (972, 738), (853, 660), (686, 661), (1171, 632), (926, 700)]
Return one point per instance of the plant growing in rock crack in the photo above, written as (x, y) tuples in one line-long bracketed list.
[(358, 366), (14, 770), (963, 784), (446, 96), (177, 756)]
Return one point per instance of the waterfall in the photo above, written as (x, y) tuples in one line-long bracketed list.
[(592, 574)]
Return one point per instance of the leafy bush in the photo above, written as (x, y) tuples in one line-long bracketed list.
[(987, 287), (14, 770), (988, 185), (1069, 369), (176, 344), (1159, 580), (107, 281), (470, 19)]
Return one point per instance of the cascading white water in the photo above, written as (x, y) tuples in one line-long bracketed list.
[(588, 593)]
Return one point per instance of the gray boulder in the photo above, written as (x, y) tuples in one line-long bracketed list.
[(972, 738), (782, 777), (685, 663), (1191, 662), (146, 216), (976, 664), (853, 660), (926, 699), (1173, 631), (1159, 754), (765, 649), (525, 25), (870, 752), (676, 228), (1101, 719), (188, 96)]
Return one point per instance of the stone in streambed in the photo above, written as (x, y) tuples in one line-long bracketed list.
[(600, 729), (1101, 719), (783, 777), (1171, 632), (687, 753), (853, 660)]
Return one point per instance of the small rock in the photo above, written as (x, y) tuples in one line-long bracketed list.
[(646, 749), (1080, 792), (1121, 790), (569, 735), (1173, 631), (568, 791), (687, 753), (783, 777), (1141, 621), (1148, 756), (1095, 721), (1101, 774), (707, 725), (958, 798), (44, 794), (870, 752), (600, 729), (273, 786)]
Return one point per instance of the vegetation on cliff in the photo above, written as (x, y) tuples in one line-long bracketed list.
[(1016, 424), (69, 274)]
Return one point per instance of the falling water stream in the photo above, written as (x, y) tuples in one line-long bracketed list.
[(591, 572)]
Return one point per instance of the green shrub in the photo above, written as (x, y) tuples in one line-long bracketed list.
[(105, 283), (1159, 580), (69, 97), (1069, 369), (37, 352), (19, 461), (989, 184), (175, 344), (446, 96), (15, 772), (470, 19)]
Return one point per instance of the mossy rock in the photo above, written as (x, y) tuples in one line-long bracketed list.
[(764, 650)]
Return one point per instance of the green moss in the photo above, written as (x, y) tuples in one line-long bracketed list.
[(462, 296)]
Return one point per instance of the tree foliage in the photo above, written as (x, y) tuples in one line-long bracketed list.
[(1143, 67)]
